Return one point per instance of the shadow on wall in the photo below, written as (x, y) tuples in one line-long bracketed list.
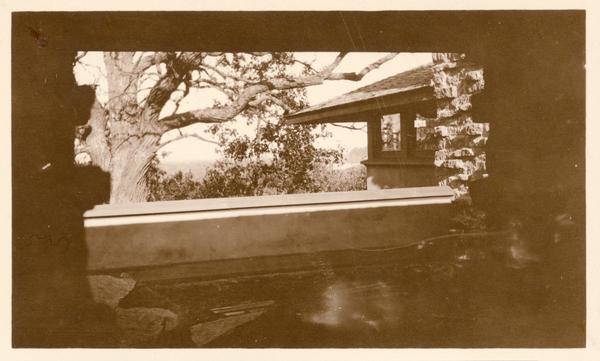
[(52, 306)]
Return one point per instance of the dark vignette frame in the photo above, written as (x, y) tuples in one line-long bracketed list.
[(534, 102)]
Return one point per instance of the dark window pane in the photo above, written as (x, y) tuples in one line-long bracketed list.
[(390, 132)]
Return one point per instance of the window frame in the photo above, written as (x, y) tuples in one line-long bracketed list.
[(408, 152)]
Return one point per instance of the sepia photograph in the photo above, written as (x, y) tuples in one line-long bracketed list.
[(298, 179)]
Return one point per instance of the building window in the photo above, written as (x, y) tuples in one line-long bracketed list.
[(395, 137), (391, 139)]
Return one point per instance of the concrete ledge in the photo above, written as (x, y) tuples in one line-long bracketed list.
[(234, 203), (122, 237)]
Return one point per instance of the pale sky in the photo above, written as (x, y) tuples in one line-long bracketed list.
[(193, 149)]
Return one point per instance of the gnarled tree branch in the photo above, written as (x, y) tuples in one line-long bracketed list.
[(145, 62), (263, 97), (190, 135), (250, 92), (350, 127), (358, 76)]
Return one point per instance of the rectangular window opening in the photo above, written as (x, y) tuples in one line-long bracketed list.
[(391, 137)]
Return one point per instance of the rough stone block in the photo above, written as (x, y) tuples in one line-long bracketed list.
[(459, 139), (439, 58), (463, 152), (474, 81), (141, 325), (110, 290), (203, 333), (449, 107)]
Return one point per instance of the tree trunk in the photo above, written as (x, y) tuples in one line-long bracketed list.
[(129, 165), (132, 136)]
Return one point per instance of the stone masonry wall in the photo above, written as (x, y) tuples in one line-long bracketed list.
[(457, 139)]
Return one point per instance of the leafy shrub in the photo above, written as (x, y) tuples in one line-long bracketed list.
[(283, 159)]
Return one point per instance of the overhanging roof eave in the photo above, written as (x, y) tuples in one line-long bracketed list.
[(354, 111)]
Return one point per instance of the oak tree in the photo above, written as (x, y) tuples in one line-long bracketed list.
[(125, 129)]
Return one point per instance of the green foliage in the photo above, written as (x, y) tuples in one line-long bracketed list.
[(164, 187), (280, 159), (283, 160), (331, 179)]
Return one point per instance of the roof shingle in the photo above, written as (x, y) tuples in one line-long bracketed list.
[(401, 82)]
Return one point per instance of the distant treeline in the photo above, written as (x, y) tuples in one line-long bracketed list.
[(230, 179)]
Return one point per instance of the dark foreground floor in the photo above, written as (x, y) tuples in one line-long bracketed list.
[(483, 292)]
